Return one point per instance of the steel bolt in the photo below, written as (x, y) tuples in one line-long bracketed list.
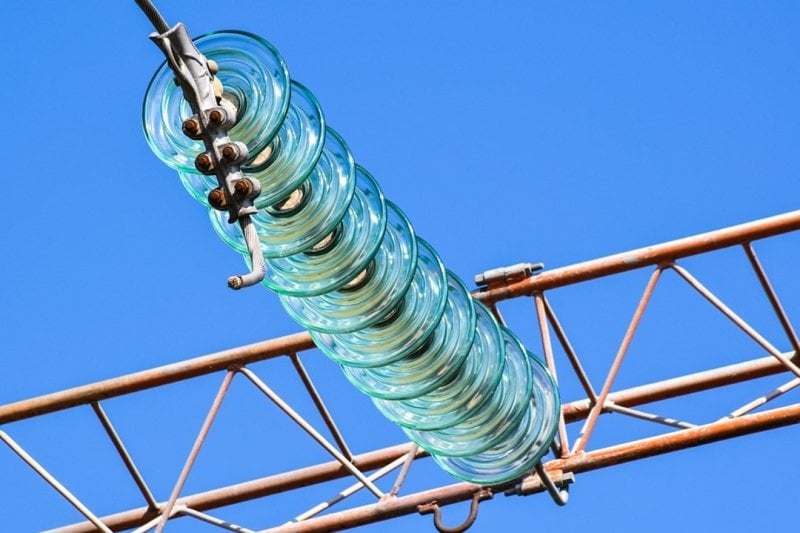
[(230, 152), (216, 117), (191, 127), (216, 199), (204, 162), (243, 187)]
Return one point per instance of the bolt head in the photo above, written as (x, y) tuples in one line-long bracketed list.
[(216, 116), (230, 152), (191, 127), (203, 162), (216, 199), (243, 187)]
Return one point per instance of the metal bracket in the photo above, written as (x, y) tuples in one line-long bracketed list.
[(555, 482), (500, 277), (195, 75), (433, 507)]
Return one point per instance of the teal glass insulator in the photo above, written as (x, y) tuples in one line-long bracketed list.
[(493, 417), (516, 455), (291, 156), (350, 248), (286, 161), (405, 329), (453, 402), (198, 185), (432, 365), (254, 77), (389, 276), (327, 194)]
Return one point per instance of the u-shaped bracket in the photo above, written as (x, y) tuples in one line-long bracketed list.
[(560, 495), (433, 507)]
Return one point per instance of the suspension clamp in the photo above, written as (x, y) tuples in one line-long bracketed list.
[(213, 117)]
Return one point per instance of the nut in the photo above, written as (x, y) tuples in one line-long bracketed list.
[(216, 199), (191, 127), (204, 162), (216, 117), (230, 152), (243, 187)]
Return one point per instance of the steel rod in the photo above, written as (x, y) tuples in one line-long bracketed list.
[(572, 355), (375, 459), (147, 526), (53, 482), (783, 318), (679, 386), (594, 414), (213, 520), (547, 347), (198, 443), (736, 319), (559, 496), (758, 402), (401, 476), (321, 407), (249, 490), (347, 492), (648, 256), (124, 455), (297, 342), (585, 462), (649, 417), (308, 428), (155, 377)]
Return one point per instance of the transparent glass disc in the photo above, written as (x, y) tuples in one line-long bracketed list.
[(419, 313), (436, 363), (360, 233), (298, 146), (249, 68), (392, 269), (516, 455), (453, 401), (488, 422)]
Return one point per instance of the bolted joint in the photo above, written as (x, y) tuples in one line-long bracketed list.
[(192, 129), (246, 189), (204, 163), (220, 118), (234, 153), (217, 200), (500, 277)]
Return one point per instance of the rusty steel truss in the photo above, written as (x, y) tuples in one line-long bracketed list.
[(572, 453)]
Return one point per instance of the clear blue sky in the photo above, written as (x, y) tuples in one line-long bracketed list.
[(508, 132)]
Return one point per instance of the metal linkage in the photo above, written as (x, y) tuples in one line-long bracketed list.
[(210, 123), (53, 482), (198, 443), (586, 431), (552, 476), (125, 456), (308, 428)]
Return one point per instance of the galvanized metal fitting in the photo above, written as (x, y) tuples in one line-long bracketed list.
[(433, 507), (500, 277)]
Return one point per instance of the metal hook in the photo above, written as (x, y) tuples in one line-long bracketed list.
[(560, 496), (433, 507)]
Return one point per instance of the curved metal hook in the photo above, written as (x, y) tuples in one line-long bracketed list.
[(259, 267), (560, 495), (433, 507)]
